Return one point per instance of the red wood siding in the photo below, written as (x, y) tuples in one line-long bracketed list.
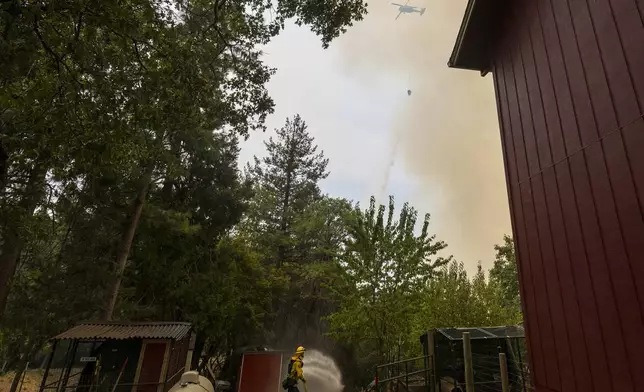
[(569, 79), (151, 367), (261, 372)]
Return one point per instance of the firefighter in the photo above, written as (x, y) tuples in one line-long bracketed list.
[(295, 372)]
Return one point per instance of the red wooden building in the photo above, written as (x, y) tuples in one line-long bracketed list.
[(569, 81)]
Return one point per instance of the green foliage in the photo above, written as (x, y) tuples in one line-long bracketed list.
[(296, 229), (385, 303), (49, 292), (454, 300), (321, 230), (118, 137), (504, 273), (286, 183), (116, 90), (385, 265), (229, 300), (320, 233)]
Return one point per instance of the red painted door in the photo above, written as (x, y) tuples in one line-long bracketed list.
[(151, 367)]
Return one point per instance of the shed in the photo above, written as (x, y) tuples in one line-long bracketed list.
[(445, 347), (569, 83), (118, 357)]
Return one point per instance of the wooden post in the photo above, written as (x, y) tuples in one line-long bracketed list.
[(431, 373), (467, 359), (190, 353), (407, 376), (376, 384), (503, 365)]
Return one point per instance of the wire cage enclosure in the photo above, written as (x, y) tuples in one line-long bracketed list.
[(112, 357), (445, 345)]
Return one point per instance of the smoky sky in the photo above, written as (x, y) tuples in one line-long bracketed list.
[(446, 134)]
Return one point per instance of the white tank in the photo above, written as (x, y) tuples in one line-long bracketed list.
[(192, 382)]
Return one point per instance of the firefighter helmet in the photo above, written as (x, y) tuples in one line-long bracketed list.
[(300, 350)]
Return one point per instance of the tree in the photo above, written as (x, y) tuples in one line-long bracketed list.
[(286, 180), (49, 291), (385, 265), (446, 300), (284, 224), (489, 307), (504, 273), (106, 133), (319, 233), (453, 300), (187, 264), (142, 77)]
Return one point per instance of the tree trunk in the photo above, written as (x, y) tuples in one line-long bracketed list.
[(4, 168), (12, 242), (15, 383), (8, 263), (281, 250), (125, 243), (22, 366)]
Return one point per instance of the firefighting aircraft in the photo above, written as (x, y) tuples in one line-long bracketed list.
[(408, 9)]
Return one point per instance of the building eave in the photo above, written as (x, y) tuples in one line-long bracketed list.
[(476, 36)]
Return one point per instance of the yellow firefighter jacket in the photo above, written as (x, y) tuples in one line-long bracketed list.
[(296, 372)]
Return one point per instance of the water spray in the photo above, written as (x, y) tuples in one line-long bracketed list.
[(322, 373)]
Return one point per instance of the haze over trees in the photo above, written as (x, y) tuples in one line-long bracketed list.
[(121, 197)]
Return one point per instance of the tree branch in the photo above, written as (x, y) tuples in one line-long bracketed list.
[(138, 55), (79, 23), (51, 52)]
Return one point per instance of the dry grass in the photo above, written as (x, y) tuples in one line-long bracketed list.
[(31, 382)]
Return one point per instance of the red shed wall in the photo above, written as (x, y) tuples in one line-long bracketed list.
[(569, 77), (261, 372)]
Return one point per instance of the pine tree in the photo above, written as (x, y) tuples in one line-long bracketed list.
[(286, 183)]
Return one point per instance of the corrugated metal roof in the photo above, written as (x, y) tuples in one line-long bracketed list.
[(121, 331)]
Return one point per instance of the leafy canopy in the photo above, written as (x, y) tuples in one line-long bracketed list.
[(386, 263)]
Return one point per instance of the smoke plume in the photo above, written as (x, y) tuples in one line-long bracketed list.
[(448, 128)]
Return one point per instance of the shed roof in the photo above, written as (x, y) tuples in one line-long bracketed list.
[(122, 331), (510, 331), (476, 34)]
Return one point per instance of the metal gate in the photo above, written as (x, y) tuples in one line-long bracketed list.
[(408, 375)]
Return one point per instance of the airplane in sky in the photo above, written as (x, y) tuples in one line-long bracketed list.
[(408, 9)]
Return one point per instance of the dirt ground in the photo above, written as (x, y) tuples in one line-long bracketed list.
[(31, 384)]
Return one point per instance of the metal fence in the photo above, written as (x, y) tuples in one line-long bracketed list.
[(79, 376), (488, 372), (414, 374), (491, 373), (58, 381)]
